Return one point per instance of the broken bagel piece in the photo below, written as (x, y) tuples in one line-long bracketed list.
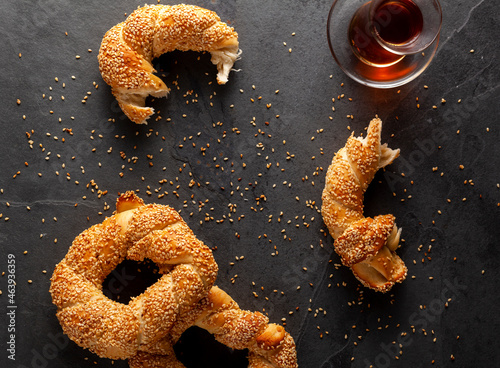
[(366, 245)]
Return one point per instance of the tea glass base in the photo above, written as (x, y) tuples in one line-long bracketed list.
[(404, 71)]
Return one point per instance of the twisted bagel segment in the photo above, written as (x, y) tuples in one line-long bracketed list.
[(363, 239), (128, 49), (114, 330), (148, 360), (366, 245), (269, 345)]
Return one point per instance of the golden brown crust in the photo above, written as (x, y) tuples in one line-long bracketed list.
[(269, 345), (363, 238), (136, 231), (381, 271), (147, 360), (256, 361), (128, 49), (272, 337), (366, 245), (128, 201), (145, 330)]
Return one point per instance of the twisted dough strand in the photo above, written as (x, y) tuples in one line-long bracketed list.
[(269, 345), (114, 330), (366, 245), (128, 49)]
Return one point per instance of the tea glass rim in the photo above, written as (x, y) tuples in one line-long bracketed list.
[(407, 48)]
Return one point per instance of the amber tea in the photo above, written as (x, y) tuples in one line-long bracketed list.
[(379, 25), (384, 43)]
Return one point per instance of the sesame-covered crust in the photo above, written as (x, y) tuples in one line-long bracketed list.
[(145, 330), (137, 231), (148, 360), (367, 245), (268, 344), (239, 329), (128, 49), (363, 238)]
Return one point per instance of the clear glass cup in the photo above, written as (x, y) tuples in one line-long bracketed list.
[(421, 23), (384, 43)]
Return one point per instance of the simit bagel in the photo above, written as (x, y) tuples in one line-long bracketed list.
[(268, 344), (366, 245), (137, 231), (128, 48)]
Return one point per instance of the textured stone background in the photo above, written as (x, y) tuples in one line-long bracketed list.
[(335, 323)]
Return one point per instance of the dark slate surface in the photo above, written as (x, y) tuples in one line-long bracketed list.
[(334, 322)]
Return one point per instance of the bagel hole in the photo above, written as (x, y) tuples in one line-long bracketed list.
[(197, 348), (130, 279)]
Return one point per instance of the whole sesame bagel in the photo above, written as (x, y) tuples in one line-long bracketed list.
[(128, 49), (268, 344), (366, 245), (136, 231)]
